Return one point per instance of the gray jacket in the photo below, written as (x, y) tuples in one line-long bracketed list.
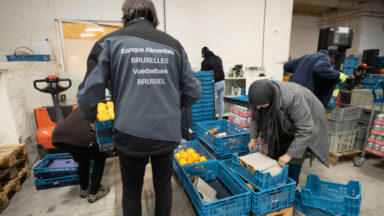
[(302, 115), (150, 79)]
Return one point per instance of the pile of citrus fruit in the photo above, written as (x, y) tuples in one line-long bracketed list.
[(105, 111), (190, 156)]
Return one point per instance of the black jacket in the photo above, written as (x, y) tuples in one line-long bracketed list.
[(213, 62)]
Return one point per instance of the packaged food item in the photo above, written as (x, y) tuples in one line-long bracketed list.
[(213, 131), (223, 134), (260, 162)]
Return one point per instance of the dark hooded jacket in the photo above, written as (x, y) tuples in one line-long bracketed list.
[(213, 62), (314, 71)]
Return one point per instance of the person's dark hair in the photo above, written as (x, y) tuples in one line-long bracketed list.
[(334, 53), (139, 8), (205, 50)]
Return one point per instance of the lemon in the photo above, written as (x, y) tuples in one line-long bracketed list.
[(191, 151), (182, 162), (101, 106), (203, 158), (109, 104), (177, 155), (112, 116), (196, 157)]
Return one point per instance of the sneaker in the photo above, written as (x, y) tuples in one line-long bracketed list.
[(100, 193), (83, 193)]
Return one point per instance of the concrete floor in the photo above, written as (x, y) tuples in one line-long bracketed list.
[(65, 200)]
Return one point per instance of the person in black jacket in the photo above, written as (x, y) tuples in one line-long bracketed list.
[(150, 79), (214, 63), (75, 136)]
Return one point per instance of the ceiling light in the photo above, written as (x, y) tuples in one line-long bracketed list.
[(94, 29), (87, 35)]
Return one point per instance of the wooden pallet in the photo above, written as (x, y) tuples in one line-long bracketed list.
[(19, 149), (10, 154), (281, 212), (7, 159), (334, 157), (12, 186)]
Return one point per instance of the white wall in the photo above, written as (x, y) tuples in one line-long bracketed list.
[(232, 29), (277, 36), (372, 35), (304, 35)]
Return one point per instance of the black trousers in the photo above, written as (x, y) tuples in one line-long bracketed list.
[(132, 175), (83, 155)]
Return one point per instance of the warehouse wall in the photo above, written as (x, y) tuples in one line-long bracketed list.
[(231, 29), (304, 35)]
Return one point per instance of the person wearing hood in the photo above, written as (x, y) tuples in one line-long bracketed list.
[(291, 121), (214, 63), (315, 72)]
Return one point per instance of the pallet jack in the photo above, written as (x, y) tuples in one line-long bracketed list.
[(48, 117)]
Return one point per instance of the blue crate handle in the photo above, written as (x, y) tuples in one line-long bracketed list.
[(375, 98)]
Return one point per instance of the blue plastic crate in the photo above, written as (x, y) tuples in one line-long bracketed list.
[(204, 74), (236, 141), (206, 82), (310, 211), (259, 179), (236, 204), (372, 79), (104, 135), (203, 118), (205, 101), (351, 61), (268, 200), (207, 91), (210, 104), (205, 78), (46, 168), (205, 113), (203, 109), (207, 87), (369, 87), (340, 198), (198, 148), (207, 96), (33, 57), (56, 182), (348, 71)]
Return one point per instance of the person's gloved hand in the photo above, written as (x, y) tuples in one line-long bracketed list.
[(342, 78)]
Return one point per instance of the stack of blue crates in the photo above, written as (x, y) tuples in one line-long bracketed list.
[(349, 65), (202, 110), (55, 170)]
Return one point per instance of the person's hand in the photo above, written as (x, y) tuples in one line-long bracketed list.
[(253, 143), (284, 159), (342, 78), (92, 125)]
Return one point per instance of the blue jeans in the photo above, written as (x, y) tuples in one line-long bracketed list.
[(219, 96)]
